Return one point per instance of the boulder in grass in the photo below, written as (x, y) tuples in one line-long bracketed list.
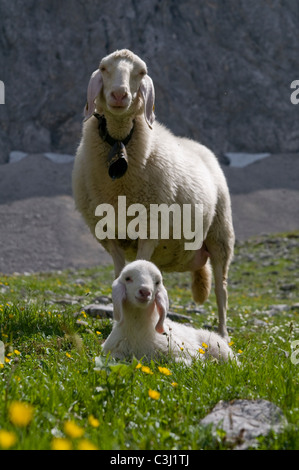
[(244, 420)]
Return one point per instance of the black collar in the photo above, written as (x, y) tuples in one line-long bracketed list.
[(117, 161), (104, 134)]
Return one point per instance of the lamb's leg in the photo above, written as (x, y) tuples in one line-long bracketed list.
[(118, 257)]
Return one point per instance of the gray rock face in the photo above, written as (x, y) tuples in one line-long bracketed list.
[(222, 70)]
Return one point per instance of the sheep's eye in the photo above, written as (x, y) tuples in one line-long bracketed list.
[(158, 282), (142, 73), (128, 279), (103, 69)]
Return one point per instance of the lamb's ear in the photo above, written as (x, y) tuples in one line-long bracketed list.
[(162, 306), (94, 87), (118, 296), (147, 91)]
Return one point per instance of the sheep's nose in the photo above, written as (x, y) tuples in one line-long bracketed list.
[(119, 95), (144, 293)]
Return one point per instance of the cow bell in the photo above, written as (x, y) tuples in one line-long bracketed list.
[(117, 161)]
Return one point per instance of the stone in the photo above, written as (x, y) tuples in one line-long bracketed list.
[(81, 323), (179, 317), (101, 310), (66, 301), (102, 299), (244, 420), (288, 287)]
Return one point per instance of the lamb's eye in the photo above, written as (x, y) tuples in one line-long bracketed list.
[(158, 282), (103, 69), (128, 279), (142, 72)]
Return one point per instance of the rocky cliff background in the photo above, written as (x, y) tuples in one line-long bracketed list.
[(222, 69)]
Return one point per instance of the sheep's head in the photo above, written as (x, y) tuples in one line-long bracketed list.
[(140, 285), (121, 86)]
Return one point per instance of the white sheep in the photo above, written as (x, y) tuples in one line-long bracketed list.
[(159, 169), (141, 328)]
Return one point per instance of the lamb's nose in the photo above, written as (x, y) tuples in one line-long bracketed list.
[(144, 293)]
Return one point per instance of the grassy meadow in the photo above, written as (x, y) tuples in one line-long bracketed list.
[(57, 390)]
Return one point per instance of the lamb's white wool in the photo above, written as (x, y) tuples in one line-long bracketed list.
[(141, 328), (162, 169)]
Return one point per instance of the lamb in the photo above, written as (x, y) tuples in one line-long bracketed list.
[(149, 165), (141, 328)]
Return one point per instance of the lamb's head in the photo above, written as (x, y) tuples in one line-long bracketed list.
[(121, 86), (140, 286)]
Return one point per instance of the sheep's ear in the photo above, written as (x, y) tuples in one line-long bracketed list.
[(162, 306), (94, 87), (147, 91), (118, 296)]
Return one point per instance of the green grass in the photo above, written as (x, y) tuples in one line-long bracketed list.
[(55, 363)]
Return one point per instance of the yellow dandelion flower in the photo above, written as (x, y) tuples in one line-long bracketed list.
[(174, 384), (164, 370), (7, 360), (68, 355), (20, 413), (17, 352), (182, 349), (154, 394), (231, 343), (61, 443), (84, 444), (240, 351), (204, 345), (146, 370), (138, 366), (7, 439), (98, 333), (73, 430), (1, 365), (202, 351), (94, 422)]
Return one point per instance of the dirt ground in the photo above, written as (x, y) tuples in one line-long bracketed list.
[(40, 229)]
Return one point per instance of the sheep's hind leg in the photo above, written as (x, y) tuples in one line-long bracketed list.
[(220, 258), (221, 299)]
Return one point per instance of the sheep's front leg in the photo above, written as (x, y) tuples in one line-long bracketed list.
[(118, 257), (146, 248)]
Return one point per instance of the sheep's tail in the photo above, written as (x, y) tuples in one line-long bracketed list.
[(201, 283)]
